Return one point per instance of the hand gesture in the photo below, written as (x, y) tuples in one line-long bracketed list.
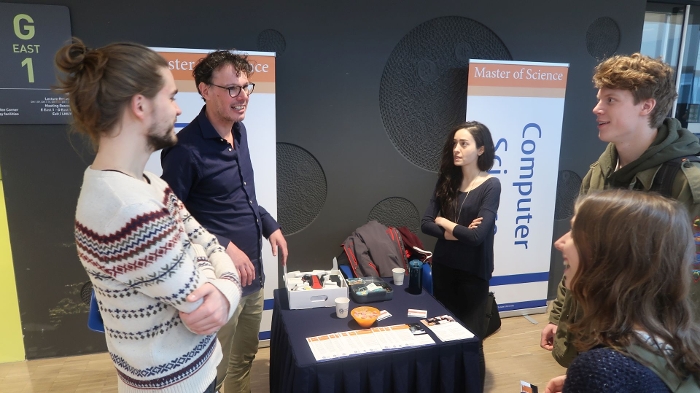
[(547, 338), (475, 223), (211, 315), (246, 270), (555, 385), (277, 241)]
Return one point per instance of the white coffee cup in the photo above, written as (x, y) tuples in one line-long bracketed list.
[(399, 273), (342, 305)]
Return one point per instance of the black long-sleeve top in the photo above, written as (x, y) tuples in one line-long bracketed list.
[(473, 249)]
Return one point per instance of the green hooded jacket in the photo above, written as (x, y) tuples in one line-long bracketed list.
[(672, 141)]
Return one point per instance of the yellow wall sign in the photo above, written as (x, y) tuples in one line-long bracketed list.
[(11, 340)]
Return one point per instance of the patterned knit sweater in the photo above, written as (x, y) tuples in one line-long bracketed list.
[(144, 254), (605, 370)]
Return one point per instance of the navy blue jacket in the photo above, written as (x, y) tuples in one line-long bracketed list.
[(215, 181)]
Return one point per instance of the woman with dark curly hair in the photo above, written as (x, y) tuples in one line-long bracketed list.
[(462, 215), (628, 261)]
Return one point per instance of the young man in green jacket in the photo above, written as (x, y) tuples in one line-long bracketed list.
[(646, 152)]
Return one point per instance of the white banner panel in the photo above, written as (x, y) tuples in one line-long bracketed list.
[(260, 121), (522, 103)]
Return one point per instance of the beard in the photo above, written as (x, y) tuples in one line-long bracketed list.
[(159, 140)]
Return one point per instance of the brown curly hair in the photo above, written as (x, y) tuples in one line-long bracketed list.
[(206, 66), (644, 77)]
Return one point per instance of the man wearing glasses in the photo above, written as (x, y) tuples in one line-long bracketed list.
[(211, 172)]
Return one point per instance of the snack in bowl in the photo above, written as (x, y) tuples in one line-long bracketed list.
[(364, 315)]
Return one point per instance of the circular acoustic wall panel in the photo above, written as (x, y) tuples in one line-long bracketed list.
[(301, 188), (271, 41), (602, 38), (396, 212), (568, 186), (423, 89)]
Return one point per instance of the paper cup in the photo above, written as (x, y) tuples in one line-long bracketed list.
[(342, 304), (399, 273)]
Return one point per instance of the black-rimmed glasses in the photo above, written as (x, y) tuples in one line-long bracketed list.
[(234, 91)]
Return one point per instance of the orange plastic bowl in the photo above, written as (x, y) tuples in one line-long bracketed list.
[(364, 315)]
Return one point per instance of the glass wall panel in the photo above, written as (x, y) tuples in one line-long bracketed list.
[(663, 24), (687, 110)]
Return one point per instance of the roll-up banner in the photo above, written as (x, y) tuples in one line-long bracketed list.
[(522, 103), (260, 121)]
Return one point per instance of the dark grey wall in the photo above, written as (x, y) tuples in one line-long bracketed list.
[(352, 78)]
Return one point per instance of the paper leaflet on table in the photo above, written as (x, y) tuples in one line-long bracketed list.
[(446, 328), (357, 342)]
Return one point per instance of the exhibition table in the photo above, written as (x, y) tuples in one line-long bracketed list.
[(447, 367)]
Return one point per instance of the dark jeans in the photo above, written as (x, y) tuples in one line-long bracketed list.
[(465, 296)]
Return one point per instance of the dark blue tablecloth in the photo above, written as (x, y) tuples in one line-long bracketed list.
[(449, 367)]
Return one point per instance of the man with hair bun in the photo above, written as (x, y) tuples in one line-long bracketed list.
[(646, 151), (210, 169), (163, 283)]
